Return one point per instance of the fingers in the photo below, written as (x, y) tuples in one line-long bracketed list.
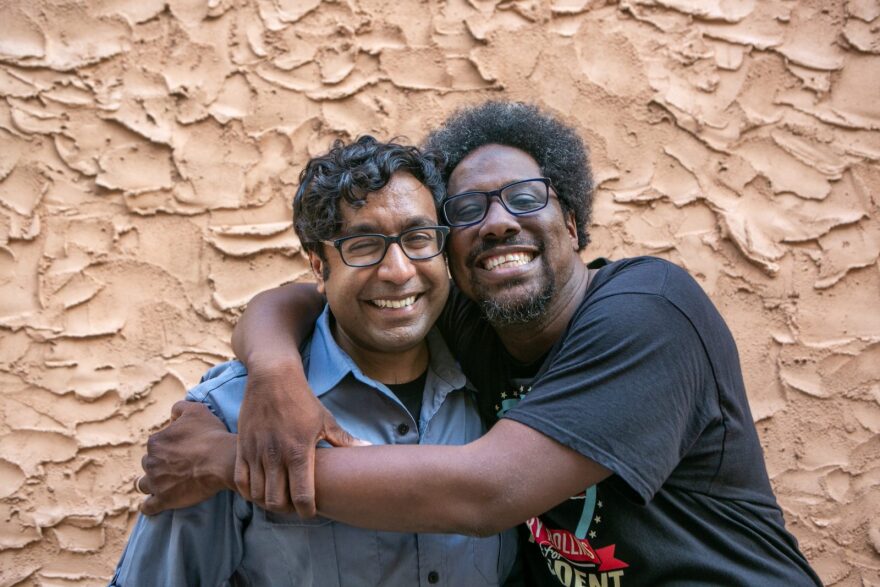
[(336, 435), (276, 487), (178, 409), (142, 485), (152, 506), (258, 482), (249, 479), (242, 476), (301, 474)]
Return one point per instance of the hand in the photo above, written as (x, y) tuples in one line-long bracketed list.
[(279, 425), (188, 461)]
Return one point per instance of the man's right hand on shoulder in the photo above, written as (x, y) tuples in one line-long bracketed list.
[(280, 423)]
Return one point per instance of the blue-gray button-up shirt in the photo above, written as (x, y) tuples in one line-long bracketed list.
[(229, 541)]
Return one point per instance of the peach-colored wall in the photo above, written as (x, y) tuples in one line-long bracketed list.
[(149, 150)]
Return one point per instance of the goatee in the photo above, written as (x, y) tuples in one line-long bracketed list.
[(517, 312)]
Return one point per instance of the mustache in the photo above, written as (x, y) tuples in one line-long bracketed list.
[(484, 246)]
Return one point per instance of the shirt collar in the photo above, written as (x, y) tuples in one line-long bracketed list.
[(329, 364)]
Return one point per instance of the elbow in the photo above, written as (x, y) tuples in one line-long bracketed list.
[(489, 529), (488, 514), (490, 497)]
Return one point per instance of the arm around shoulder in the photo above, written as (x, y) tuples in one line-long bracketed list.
[(276, 322), (280, 421)]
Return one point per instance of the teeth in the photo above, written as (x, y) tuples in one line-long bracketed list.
[(511, 260), (396, 303)]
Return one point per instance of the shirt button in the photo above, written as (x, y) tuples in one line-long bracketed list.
[(403, 429), (433, 577)]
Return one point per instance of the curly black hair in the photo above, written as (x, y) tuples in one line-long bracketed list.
[(351, 172), (558, 149)]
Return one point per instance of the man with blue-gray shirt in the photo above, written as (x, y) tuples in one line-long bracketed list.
[(365, 213)]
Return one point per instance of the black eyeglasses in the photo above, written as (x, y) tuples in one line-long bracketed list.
[(518, 198), (364, 250)]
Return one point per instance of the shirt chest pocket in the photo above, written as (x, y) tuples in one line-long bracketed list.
[(319, 552), (495, 556)]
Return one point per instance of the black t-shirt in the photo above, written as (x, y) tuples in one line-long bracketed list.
[(645, 381), (410, 393)]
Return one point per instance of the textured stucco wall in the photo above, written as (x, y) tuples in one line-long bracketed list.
[(149, 150)]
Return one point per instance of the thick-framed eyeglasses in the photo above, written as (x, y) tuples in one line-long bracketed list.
[(518, 198), (418, 243)]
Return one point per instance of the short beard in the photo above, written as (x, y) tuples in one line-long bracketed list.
[(520, 312), (501, 313)]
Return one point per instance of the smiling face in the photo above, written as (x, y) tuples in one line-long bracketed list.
[(513, 266), (391, 306)]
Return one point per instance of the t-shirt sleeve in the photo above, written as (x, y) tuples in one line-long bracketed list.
[(626, 389)]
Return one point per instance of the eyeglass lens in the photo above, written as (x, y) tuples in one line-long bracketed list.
[(369, 249), (518, 198)]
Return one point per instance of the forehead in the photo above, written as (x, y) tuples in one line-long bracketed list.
[(403, 202), (492, 166)]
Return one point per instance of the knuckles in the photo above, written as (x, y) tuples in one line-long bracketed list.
[(297, 455), (273, 455), (304, 503), (276, 503)]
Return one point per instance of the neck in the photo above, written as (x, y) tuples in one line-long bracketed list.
[(387, 367), (528, 342)]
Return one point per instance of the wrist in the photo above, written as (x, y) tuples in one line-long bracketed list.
[(264, 363), (219, 468), (270, 373)]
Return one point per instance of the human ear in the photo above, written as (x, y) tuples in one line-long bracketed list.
[(317, 266), (571, 226)]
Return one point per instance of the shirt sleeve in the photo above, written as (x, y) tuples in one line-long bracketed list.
[(626, 389), (198, 545), (202, 544)]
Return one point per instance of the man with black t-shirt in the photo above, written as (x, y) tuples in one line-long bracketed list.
[(621, 438), (366, 214)]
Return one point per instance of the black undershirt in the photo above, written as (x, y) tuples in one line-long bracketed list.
[(410, 394)]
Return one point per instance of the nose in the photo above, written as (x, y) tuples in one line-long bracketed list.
[(498, 223), (396, 267)]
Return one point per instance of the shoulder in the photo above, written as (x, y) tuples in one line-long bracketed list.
[(650, 297), (636, 275), (635, 298), (617, 286), (222, 389)]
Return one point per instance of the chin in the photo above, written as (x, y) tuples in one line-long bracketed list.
[(512, 293), (517, 308), (401, 339)]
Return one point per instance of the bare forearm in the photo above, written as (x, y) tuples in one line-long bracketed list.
[(280, 421), (276, 322), (477, 489), (403, 489)]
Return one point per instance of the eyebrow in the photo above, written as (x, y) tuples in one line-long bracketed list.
[(367, 228)]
